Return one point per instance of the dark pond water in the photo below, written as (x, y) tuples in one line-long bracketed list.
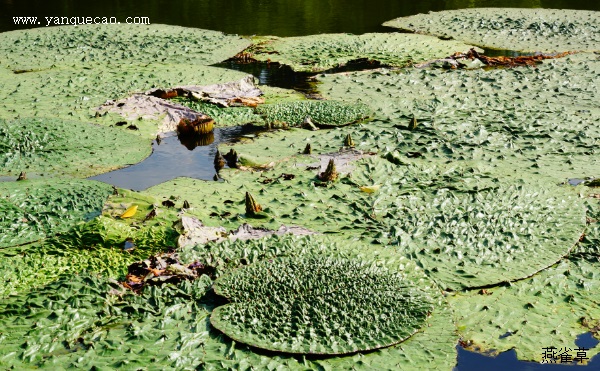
[(470, 361), (262, 17), (174, 158)]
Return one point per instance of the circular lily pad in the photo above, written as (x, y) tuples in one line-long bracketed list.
[(34, 209), (90, 45), (322, 113), (319, 305), (512, 29)]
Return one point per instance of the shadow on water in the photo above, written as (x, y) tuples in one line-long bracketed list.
[(174, 158), (473, 361)]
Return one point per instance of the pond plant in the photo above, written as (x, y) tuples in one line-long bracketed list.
[(414, 208)]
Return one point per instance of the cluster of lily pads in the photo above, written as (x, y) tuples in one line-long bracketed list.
[(445, 216)]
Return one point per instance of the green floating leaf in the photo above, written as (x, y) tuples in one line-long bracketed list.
[(483, 239), (49, 145), (325, 51), (115, 44), (320, 305), (322, 113), (511, 29), (34, 209)]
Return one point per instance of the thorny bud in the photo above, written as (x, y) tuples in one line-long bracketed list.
[(330, 174), (307, 149), (413, 123), (252, 207), (219, 161), (348, 142), (232, 158)]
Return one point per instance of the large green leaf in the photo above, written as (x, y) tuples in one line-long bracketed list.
[(320, 305), (322, 52), (76, 93), (91, 45), (486, 238), (34, 209), (549, 309), (539, 120), (533, 30), (56, 147), (322, 113)]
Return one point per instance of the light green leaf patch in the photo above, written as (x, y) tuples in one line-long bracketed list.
[(322, 113), (489, 237), (56, 147), (319, 305), (91, 45), (77, 93), (548, 309), (34, 209), (545, 30), (325, 51)]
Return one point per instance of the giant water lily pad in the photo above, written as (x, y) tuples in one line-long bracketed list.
[(531, 117), (91, 45), (77, 93), (34, 209), (549, 309), (322, 52), (49, 145), (512, 29), (323, 113), (319, 305), (483, 239)]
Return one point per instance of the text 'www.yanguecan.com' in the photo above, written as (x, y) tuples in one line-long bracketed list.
[(75, 21)]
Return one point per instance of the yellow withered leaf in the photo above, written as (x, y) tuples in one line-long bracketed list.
[(370, 189), (129, 212)]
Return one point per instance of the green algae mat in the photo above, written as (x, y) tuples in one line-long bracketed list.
[(527, 30), (323, 52)]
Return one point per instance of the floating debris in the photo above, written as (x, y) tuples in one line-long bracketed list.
[(308, 124), (150, 215), (168, 203), (202, 125)]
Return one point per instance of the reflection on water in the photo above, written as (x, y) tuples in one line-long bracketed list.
[(172, 159), (265, 17)]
